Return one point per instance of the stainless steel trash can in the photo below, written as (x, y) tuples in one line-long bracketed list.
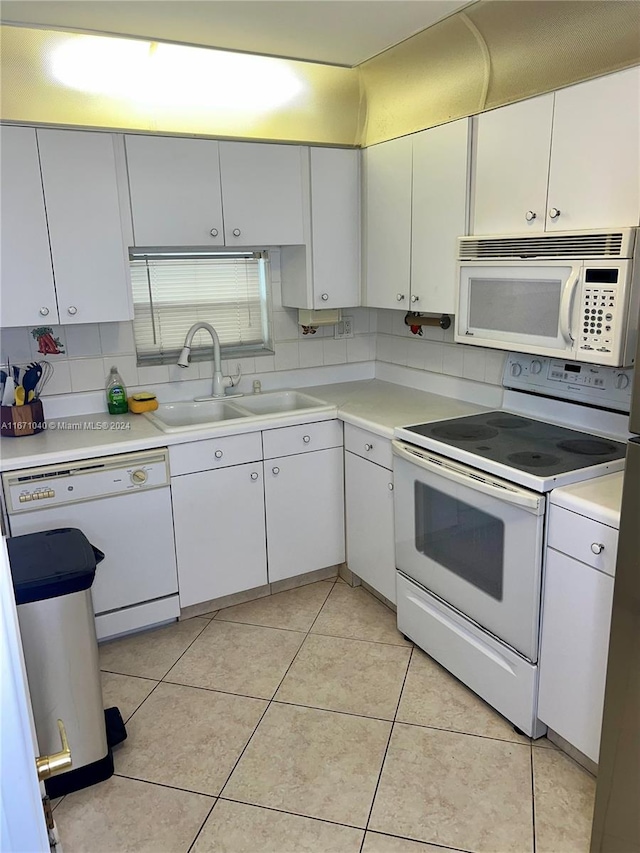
[(52, 576)]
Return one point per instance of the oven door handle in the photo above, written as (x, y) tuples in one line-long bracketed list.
[(496, 489), (566, 304)]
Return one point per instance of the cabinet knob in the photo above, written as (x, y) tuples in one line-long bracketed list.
[(44, 310), (530, 215), (368, 447), (254, 476), (72, 310), (218, 454), (390, 486), (325, 297), (414, 298), (214, 232), (400, 297), (554, 213), (236, 232), (597, 547), (275, 471), (306, 439)]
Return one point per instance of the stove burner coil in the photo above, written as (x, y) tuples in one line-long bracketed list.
[(531, 459), (508, 422), (587, 446), (464, 432)]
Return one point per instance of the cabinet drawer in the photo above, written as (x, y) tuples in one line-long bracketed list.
[(215, 453), (367, 444), (574, 534), (304, 438)]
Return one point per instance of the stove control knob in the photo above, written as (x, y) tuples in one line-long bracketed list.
[(597, 547), (622, 381), (516, 369), (536, 366)]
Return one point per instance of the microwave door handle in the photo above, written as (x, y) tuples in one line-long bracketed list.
[(511, 495), (565, 307)]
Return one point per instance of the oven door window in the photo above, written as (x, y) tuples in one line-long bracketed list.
[(461, 538)]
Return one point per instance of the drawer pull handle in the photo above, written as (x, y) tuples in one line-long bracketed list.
[(218, 454), (275, 471), (306, 439), (254, 476), (597, 547), (390, 486), (368, 447)]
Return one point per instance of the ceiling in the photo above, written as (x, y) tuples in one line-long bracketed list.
[(340, 32)]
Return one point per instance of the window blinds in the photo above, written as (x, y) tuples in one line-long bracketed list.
[(172, 291)]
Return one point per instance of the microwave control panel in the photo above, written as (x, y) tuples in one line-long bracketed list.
[(598, 329), (608, 387)]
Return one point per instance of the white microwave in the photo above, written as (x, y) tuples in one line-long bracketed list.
[(574, 296)]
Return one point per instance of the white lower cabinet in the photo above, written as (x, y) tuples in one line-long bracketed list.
[(218, 518), (304, 496), (369, 520), (576, 619)]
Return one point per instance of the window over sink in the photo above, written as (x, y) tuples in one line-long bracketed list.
[(174, 289)]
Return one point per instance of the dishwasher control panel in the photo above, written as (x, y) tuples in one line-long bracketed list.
[(55, 485)]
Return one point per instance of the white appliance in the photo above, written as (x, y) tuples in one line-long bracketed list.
[(574, 296), (123, 506), (470, 521)]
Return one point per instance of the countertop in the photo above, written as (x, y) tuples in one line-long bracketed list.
[(599, 499), (371, 404)]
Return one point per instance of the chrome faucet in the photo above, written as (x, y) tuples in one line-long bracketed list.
[(220, 382)]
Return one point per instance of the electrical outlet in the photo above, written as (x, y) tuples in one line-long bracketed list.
[(344, 329)]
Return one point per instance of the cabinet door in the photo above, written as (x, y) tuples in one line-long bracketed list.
[(439, 214), (335, 227), (218, 519), (305, 512), (175, 192), (261, 193), (87, 246), (369, 514), (511, 167), (387, 223), (594, 180), (28, 295), (576, 619)]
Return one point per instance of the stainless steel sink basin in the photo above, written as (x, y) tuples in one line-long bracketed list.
[(179, 417), (278, 402)]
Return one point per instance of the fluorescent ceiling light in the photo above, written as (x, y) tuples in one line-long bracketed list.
[(167, 75)]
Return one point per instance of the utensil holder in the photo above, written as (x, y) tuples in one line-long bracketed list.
[(16, 421)]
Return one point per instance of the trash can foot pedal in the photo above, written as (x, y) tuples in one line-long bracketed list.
[(81, 777), (116, 731)]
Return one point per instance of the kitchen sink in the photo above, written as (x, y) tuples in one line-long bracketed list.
[(278, 402), (179, 417)]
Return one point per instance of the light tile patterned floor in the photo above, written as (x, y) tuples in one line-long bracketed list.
[(305, 723)]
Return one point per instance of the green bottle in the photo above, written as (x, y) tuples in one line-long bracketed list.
[(116, 394)]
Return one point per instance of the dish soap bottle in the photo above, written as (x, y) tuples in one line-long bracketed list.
[(116, 394)]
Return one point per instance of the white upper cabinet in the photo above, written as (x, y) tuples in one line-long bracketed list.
[(28, 294), (176, 198), (415, 207), (511, 167), (261, 193), (387, 170), (594, 179), (200, 192), (90, 263), (325, 272), (439, 214), (561, 162)]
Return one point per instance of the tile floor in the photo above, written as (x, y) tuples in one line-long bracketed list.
[(305, 723)]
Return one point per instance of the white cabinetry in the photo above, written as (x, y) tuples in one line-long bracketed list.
[(304, 493), (576, 618), (27, 278), (415, 206), (325, 272), (72, 176), (563, 161), (200, 192), (218, 518), (369, 510)]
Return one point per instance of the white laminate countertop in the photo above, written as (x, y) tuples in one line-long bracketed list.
[(371, 404), (599, 499)]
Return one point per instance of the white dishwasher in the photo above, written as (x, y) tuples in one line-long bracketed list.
[(123, 506)]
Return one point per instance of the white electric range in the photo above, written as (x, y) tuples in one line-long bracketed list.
[(470, 519)]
